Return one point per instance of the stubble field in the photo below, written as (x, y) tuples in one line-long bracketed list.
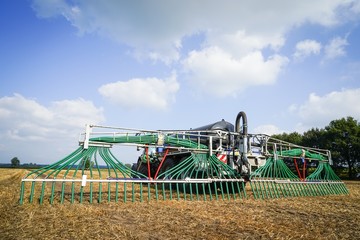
[(331, 217)]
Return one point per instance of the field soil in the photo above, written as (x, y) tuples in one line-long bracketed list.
[(330, 217)]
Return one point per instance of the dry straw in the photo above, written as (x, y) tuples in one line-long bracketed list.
[(330, 217)]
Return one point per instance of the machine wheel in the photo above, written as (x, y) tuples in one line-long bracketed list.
[(143, 169), (134, 167), (168, 164), (134, 171)]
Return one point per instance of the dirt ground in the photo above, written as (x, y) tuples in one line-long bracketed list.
[(331, 217)]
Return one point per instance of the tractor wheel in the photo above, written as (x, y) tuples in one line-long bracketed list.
[(168, 164), (134, 171), (143, 169), (134, 167)]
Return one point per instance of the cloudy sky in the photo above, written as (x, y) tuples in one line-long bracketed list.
[(290, 65)]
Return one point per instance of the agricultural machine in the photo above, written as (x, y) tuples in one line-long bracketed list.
[(215, 161)]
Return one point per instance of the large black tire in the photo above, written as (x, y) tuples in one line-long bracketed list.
[(168, 164), (134, 169), (143, 169)]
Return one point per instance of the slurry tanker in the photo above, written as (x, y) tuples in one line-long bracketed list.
[(217, 161)]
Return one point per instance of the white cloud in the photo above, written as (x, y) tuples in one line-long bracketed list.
[(218, 72), (335, 48), (151, 93), (268, 129), (318, 111), (75, 113), (26, 119), (240, 43), (236, 36), (155, 29), (43, 134), (306, 48)]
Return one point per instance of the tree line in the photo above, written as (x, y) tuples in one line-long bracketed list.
[(341, 137)]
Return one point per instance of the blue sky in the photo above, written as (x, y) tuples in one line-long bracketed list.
[(290, 66)]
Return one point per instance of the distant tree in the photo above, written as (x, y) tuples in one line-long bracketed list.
[(15, 162), (315, 138), (343, 138), (294, 137)]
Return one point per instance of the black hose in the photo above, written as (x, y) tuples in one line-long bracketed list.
[(241, 115)]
